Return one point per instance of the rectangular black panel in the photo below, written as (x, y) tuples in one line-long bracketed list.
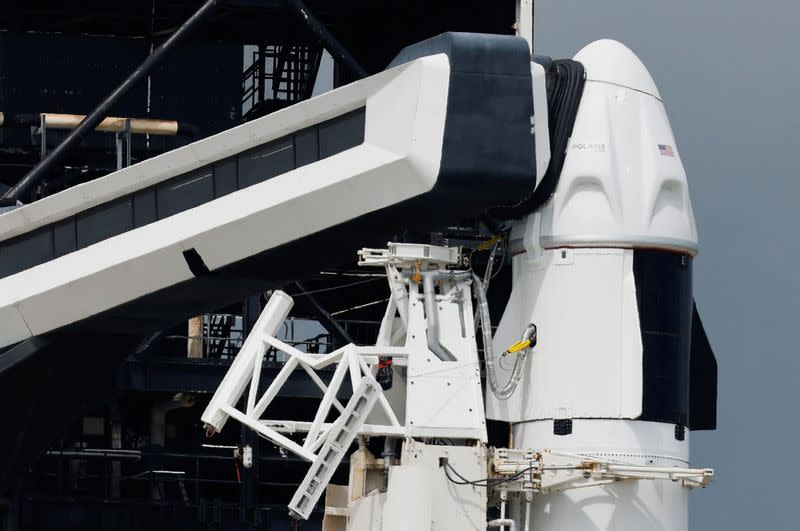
[(664, 299), (26, 251), (105, 221), (264, 162), (224, 177), (185, 192), (65, 237), (306, 146), (342, 133), (144, 207)]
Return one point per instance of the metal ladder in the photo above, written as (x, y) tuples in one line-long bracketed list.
[(338, 440)]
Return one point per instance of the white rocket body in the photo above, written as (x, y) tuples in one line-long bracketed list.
[(602, 269), (602, 380)]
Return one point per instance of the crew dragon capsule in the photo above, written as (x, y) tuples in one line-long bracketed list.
[(622, 370)]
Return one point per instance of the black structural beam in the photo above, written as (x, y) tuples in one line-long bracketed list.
[(40, 171), (327, 39), (325, 318)]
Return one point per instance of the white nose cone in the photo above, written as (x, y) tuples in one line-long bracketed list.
[(623, 183), (611, 61)]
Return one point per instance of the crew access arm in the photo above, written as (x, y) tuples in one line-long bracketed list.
[(86, 274)]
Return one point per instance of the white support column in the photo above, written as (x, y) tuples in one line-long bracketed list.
[(387, 324), (399, 292), (524, 23)]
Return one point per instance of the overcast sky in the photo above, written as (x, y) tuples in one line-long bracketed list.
[(728, 73)]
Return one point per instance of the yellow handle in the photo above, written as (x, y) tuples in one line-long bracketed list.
[(519, 345), (485, 246)]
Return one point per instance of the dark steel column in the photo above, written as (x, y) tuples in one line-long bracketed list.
[(40, 171), (325, 37), (325, 318)]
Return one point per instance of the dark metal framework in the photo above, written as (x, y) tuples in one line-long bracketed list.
[(278, 76), (40, 171), (100, 471)]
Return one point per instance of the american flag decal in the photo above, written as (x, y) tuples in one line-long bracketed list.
[(666, 150)]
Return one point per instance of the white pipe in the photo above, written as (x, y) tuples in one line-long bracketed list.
[(432, 311), (528, 497), (432, 314), (503, 503)]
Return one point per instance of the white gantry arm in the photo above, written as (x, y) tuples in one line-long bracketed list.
[(246, 369), (326, 443), (447, 401)]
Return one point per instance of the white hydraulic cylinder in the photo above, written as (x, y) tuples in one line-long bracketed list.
[(238, 376)]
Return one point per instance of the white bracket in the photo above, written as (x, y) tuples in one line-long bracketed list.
[(562, 471), (405, 254), (553, 471)]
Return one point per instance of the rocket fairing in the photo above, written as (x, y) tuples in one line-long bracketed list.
[(603, 270)]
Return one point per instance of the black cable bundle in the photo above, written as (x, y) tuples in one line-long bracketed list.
[(562, 103), (485, 482)]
